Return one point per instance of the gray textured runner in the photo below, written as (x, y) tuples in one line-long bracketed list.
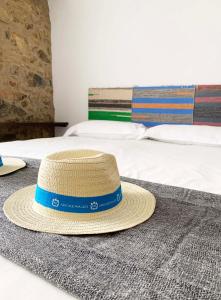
[(174, 255)]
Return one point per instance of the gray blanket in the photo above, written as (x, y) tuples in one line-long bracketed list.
[(174, 255)]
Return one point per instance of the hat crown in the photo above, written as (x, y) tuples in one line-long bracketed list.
[(81, 173)]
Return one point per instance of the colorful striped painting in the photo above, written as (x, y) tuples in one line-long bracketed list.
[(110, 104), (207, 109), (163, 105)]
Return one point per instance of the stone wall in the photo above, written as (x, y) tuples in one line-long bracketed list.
[(26, 93)]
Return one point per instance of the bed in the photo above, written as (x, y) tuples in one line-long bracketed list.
[(189, 166), (196, 167)]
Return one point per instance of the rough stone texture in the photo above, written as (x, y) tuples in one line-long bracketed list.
[(26, 93)]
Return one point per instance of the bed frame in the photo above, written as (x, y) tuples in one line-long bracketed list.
[(195, 104)]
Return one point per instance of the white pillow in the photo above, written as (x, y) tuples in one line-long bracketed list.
[(186, 134), (108, 130)]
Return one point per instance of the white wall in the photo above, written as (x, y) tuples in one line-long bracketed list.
[(110, 43)]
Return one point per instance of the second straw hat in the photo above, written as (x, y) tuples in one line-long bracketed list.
[(10, 165)]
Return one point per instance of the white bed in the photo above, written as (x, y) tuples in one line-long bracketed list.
[(189, 166)]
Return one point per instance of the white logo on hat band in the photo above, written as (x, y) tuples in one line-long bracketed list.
[(55, 202), (94, 206)]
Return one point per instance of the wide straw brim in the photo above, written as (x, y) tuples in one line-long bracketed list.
[(11, 165), (136, 207)]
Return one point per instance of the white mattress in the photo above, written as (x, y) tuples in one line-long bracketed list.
[(194, 167)]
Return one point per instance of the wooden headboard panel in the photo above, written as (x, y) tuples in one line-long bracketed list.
[(163, 105), (156, 105), (110, 104), (207, 110)]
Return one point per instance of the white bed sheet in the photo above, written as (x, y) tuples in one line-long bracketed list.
[(189, 166), (194, 167)]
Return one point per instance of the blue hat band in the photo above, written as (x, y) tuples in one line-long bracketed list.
[(77, 204), (1, 162)]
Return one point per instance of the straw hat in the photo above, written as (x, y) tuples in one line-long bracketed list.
[(79, 192), (9, 165)]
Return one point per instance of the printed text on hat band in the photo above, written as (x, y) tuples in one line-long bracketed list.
[(1, 162), (78, 204)]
